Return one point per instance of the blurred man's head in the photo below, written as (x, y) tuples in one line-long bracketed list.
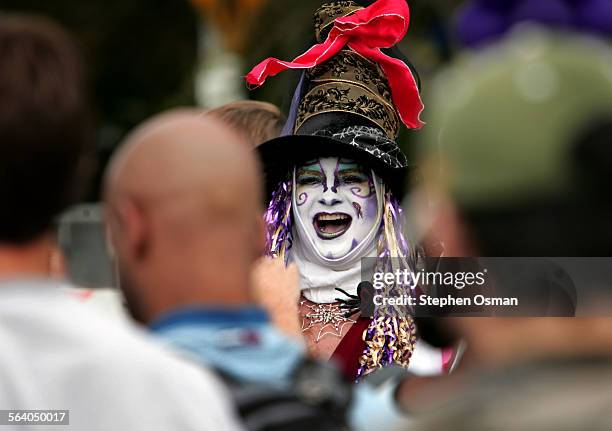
[(44, 126), (183, 208), (256, 121), (518, 149), (518, 158)]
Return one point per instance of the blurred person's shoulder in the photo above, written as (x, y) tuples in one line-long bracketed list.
[(61, 353), (555, 395)]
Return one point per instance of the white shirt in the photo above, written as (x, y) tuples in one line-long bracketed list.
[(58, 353)]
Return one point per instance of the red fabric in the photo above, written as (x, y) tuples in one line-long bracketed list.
[(381, 25), (347, 353)]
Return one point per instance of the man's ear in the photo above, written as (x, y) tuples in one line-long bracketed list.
[(129, 229)]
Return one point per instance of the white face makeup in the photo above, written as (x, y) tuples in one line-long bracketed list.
[(337, 203)]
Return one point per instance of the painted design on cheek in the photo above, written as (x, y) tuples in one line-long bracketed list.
[(358, 210), (353, 175), (354, 244), (358, 191), (302, 198)]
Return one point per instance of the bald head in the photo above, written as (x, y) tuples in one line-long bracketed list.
[(176, 152), (183, 197)]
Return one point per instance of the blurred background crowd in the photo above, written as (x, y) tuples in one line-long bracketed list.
[(144, 57)]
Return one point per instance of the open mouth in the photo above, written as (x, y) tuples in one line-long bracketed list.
[(330, 226)]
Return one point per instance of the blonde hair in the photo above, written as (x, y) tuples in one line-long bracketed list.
[(256, 121)]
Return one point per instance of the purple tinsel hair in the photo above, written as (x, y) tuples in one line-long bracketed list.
[(278, 219), (482, 21)]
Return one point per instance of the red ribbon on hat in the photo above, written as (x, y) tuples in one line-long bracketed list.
[(381, 25)]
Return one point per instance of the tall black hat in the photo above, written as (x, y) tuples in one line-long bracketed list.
[(345, 105)]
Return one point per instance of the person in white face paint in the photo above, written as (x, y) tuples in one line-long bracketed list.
[(338, 210), (334, 178), (338, 206)]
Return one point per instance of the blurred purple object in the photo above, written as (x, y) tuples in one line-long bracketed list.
[(552, 12), (498, 5), (482, 21), (477, 24), (594, 16), (278, 220)]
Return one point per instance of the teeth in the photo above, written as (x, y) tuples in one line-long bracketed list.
[(330, 226), (332, 217)]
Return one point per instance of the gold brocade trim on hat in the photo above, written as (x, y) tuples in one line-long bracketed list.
[(349, 66), (348, 82), (334, 96), (325, 16)]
